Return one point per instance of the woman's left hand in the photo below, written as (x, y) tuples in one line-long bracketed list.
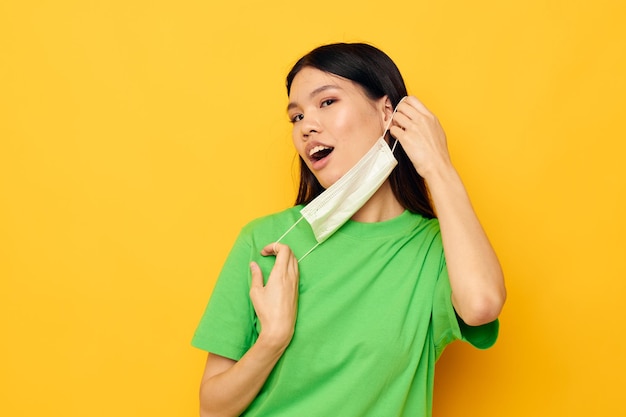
[(421, 136), (476, 279)]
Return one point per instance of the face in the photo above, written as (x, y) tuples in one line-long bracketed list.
[(334, 122)]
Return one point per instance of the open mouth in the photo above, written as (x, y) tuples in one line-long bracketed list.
[(320, 152)]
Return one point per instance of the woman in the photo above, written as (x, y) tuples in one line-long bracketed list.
[(354, 326)]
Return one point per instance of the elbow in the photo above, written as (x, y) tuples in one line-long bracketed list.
[(207, 412), (482, 310)]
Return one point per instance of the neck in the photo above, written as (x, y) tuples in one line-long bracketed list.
[(382, 206)]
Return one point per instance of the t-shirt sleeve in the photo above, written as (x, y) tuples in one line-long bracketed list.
[(448, 326), (227, 327)]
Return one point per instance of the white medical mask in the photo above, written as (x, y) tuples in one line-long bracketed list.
[(338, 203)]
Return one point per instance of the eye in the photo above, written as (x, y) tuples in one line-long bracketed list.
[(327, 102), (296, 118)]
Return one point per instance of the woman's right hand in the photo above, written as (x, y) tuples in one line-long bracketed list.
[(276, 303), (229, 386)]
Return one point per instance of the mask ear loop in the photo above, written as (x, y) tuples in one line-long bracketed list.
[(289, 230), (393, 148), (309, 251)]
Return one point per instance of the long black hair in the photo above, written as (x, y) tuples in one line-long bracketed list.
[(379, 76)]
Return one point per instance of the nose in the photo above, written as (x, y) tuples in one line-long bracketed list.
[(309, 126)]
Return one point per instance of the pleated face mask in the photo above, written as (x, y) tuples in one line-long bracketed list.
[(338, 203)]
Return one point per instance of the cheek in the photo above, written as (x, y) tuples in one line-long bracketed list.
[(351, 127), (297, 143), (338, 123), (299, 147)]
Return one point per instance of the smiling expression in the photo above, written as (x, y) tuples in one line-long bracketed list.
[(334, 122)]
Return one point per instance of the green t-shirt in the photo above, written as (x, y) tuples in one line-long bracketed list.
[(374, 314)]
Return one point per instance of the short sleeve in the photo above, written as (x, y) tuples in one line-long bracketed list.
[(227, 327), (448, 326)]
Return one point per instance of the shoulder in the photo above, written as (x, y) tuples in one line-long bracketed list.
[(426, 234), (424, 226), (272, 222)]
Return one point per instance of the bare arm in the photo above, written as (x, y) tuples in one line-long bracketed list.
[(476, 278), (228, 387)]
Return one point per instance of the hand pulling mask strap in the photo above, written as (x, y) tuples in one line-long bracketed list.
[(337, 204), (289, 230), (393, 148)]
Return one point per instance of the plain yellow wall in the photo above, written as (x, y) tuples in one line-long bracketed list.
[(137, 137)]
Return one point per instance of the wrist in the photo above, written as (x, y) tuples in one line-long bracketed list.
[(440, 174), (274, 342)]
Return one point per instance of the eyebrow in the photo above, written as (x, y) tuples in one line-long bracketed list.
[(315, 92)]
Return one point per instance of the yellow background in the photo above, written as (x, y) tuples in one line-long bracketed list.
[(137, 137)]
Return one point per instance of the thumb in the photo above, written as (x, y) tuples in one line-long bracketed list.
[(257, 275)]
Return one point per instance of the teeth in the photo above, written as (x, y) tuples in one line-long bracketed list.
[(317, 149)]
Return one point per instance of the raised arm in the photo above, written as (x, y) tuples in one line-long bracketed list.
[(228, 387), (478, 291)]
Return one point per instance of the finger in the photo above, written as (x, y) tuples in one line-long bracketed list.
[(419, 106), (283, 256), (402, 121), (397, 132), (257, 275), (275, 249), (292, 264), (294, 268), (271, 249), (413, 110), (286, 264)]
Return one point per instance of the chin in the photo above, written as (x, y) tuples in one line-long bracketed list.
[(328, 182)]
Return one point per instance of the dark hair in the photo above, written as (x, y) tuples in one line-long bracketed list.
[(379, 76)]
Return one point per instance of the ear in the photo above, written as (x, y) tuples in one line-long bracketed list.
[(387, 108)]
